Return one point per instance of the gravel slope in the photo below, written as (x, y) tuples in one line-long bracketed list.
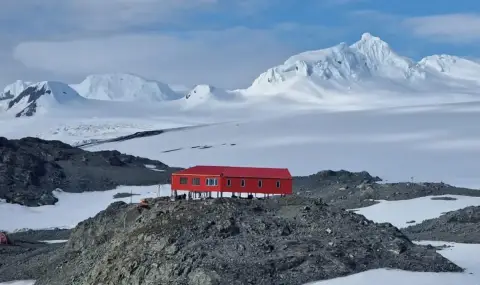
[(461, 226), (350, 190), (290, 240)]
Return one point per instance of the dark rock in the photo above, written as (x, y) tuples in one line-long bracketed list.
[(352, 190), (28, 257), (31, 168), (229, 241), (39, 235), (461, 226), (123, 195), (32, 94), (444, 198)]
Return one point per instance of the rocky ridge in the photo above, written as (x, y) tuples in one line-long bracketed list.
[(461, 226), (350, 190), (292, 240), (31, 168)]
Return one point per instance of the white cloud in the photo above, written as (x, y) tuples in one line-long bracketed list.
[(226, 58), (57, 19), (66, 40), (451, 28), (95, 15)]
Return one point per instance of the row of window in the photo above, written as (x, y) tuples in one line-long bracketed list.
[(214, 182)]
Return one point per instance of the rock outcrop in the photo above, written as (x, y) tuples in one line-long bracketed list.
[(351, 190), (456, 226), (31, 168), (290, 240)]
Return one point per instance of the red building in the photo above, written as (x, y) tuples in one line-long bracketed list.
[(203, 179)]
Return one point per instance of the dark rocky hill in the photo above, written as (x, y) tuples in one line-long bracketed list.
[(31, 168), (26, 260), (456, 226), (290, 240), (351, 190)]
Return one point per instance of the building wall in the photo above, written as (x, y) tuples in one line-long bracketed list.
[(269, 185), (203, 187)]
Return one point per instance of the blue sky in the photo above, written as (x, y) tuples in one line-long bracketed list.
[(226, 43)]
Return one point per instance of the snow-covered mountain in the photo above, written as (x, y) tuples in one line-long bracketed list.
[(366, 72), (367, 65), (12, 90), (42, 96), (452, 66), (203, 94), (124, 87)]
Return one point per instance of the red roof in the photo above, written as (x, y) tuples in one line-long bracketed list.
[(237, 171)]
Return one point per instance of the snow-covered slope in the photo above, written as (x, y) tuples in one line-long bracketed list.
[(452, 66), (124, 87), (42, 96), (180, 89), (12, 90), (368, 66), (203, 94)]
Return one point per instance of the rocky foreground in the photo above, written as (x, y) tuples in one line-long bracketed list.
[(31, 168), (461, 226), (292, 240), (350, 190)]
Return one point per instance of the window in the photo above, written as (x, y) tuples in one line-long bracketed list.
[(229, 182), (259, 183), (278, 183), (211, 181), (183, 180), (195, 181), (242, 183)]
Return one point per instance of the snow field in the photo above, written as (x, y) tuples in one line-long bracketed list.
[(399, 213), (423, 145)]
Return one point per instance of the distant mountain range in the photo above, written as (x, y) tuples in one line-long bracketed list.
[(364, 72)]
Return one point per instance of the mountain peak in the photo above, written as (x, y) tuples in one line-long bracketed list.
[(380, 56), (14, 89), (370, 42), (124, 87), (42, 95), (367, 37)]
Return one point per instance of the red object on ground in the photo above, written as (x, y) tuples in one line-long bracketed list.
[(3, 238), (144, 204), (251, 180)]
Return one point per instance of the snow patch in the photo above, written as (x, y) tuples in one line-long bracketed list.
[(54, 241), (60, 215), (22, 282), (419, 209)]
